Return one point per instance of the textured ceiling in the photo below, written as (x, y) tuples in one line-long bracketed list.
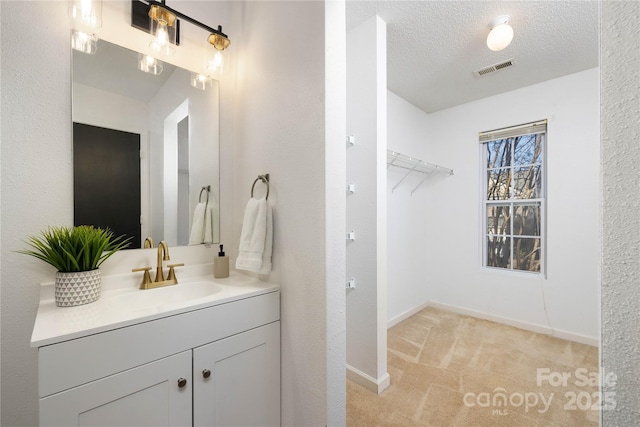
[(433, 47)]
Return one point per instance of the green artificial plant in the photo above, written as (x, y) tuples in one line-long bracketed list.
[(71, 249)]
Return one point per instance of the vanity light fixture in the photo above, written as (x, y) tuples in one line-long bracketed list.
[(149, 64), (160, 20), (501, 33)]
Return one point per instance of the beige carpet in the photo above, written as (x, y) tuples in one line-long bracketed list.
[(452, 370)]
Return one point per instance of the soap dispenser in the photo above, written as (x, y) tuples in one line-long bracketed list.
[(221, 265)]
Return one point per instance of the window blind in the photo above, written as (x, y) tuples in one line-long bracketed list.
[(512, 132)]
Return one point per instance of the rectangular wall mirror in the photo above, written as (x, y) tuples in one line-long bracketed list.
[(146, 149)]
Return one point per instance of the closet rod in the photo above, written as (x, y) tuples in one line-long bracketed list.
[(411, 164)]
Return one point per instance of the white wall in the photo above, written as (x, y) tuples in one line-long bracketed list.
[(447, 271), (620, 155), (287, 120), (407, 230), (366, 207)]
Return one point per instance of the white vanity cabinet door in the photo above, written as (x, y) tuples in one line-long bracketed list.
[(237, 379), (148, 395)]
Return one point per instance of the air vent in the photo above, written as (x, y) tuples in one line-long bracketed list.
[(495, 67)]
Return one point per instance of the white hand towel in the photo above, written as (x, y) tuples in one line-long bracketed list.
[(197, 226), (208, 225), (253, 236), (268, 243)]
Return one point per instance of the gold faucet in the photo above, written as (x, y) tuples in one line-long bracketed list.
[(148, 243), (163, 254)]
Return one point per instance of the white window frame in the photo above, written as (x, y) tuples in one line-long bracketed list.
[(539, 127)]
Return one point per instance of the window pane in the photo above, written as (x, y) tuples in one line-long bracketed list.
[(526, 220), (498, 251), (527, 183), (498, 182), (526, 254), (498, 218), (528, 149), (498, 154)]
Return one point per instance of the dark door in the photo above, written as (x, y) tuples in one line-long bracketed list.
[(106, 180)]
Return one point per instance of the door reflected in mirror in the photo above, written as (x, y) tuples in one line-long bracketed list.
[(145, 147)]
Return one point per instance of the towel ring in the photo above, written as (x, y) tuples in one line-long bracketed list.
[(264, 178), (207, 188)]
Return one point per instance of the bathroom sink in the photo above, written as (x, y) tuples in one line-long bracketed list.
[(173, 295)]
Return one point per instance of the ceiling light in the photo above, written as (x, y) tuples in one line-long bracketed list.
[(501, 33)]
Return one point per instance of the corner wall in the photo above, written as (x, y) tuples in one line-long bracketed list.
[(367, 206)]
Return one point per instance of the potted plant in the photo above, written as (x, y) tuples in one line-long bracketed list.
[(77, 253)]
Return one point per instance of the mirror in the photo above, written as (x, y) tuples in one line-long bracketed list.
[(146, 149)]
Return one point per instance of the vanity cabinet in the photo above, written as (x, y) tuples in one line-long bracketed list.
[(237, 380), (147, 395), (218, 365)]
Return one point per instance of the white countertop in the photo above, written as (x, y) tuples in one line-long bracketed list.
[(122, 303)]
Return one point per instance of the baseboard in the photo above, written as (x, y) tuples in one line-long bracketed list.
[(368, 382), (403, 316), (566, 335)]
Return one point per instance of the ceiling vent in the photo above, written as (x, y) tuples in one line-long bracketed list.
[(495, 67)]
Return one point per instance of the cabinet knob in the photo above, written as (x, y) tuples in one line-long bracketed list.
[(182, 382), (206, 373)]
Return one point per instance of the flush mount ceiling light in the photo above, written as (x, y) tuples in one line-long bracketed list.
[(501, 33)]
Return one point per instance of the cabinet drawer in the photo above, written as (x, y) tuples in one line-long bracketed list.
[(79, 361)]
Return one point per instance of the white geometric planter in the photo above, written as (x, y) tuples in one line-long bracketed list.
[(77, 288)]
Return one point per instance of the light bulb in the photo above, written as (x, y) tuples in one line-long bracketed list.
[(216, 62), (163, 29), (162, 38)]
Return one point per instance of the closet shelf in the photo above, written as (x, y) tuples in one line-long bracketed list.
[(412, 164)]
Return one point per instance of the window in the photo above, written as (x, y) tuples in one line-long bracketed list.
[(514, 197)]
